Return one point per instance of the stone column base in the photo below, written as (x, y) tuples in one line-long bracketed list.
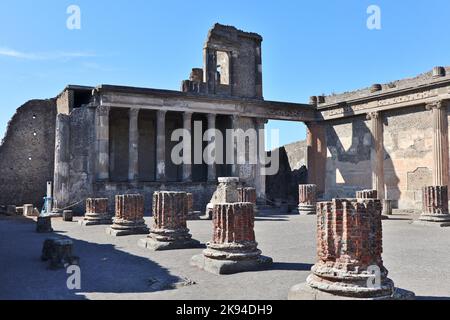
[(231, 258), (220, 267), (306, 209), (434, 220), (305, 292), (95, 220), (160, 240), (127, 228)]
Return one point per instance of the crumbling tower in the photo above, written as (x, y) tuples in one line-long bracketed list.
[(232, 65)]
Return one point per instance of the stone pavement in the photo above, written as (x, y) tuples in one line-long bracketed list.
[(116, 268)]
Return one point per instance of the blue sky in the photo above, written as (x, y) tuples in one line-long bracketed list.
[(309, 48)]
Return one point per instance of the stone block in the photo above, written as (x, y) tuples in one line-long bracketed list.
[(28, 210), (58, 252), (67, 215), (44, 224), (226, 192)]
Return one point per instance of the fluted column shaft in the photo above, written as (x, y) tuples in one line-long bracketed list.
[(102, 136), (187, 147), (440, 143), (377, 159), (212, 171), (133, 168), (161, 145)]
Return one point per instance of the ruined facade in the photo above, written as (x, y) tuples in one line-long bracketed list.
[(99, 142), (112, 140), (398, 132)]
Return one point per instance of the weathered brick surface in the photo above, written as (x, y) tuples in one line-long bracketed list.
[(129, 218), (130, 207), (97, 212), (367, 194), (349, 244), (247, 194), (435, 200), (233, 247), (169, 230), (233, 223), (170, 210), (97, 206)]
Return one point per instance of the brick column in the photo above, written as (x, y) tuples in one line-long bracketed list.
[(435, 205), (97, 212), (133, 168), (349, 248), (248, 194), (307, 199), (187, 147), (373, 194), (377, 157), (102, 135), (161, 145), (440, 143), (169, 230), (367, 194), (316, 155), (129, 217), (212, 172), (192, 214), (233, 248)]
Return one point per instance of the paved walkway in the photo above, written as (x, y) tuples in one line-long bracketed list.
[(417, 257)]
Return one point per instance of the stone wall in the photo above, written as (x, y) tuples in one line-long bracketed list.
[(349, 158), (408, 156), (408, 139), (284, 185), (27, 153)]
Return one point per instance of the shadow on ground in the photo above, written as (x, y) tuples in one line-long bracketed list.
[(104, 268)]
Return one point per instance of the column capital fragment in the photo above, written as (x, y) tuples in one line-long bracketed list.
[(439, 104), (373, 115)]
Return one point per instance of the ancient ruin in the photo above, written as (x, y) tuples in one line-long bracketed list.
[(248, 194), (233, 247), (129, 218), (169, 230), (349, 248), (58, 253), (435, 206), (307, 199), (109, 147), (191, 214), (226, 192), (97, 212)]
